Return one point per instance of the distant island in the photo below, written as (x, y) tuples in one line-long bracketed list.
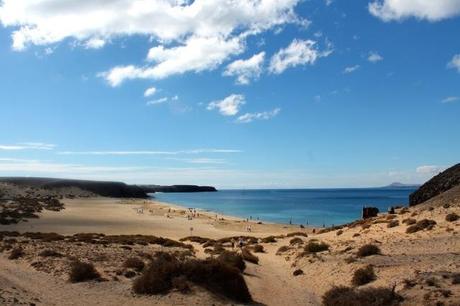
[(176, 188), (402, 185)]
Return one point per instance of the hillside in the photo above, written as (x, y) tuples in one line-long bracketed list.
[(437, 185), (105, 189), (177, 188)]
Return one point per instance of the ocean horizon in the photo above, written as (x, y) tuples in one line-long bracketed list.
[(315, 207)]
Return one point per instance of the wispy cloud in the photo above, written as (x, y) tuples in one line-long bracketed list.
[(212, 161), (246, 70), (249, 117), (147, 152), (230, 106), (350, 69), (158, 101), (450, 99), (150, 92), (299, 52), (454, 63), (431, 169), (374, 57), (27, 146)]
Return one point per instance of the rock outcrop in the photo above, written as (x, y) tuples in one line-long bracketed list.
[(437, 185)]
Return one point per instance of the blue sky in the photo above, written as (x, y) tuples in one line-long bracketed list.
[(236, 94)]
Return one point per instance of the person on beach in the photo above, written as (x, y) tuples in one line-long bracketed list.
[(241, 243), (233, 243)]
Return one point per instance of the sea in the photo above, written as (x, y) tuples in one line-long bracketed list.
[(316, 207)]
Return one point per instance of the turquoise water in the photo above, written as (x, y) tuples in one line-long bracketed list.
[(312, 206)]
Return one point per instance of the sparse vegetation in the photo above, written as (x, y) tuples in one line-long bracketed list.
[(421, 225), (269, 239), (452, 217), (368, 250), (283, 249), (248, 256), (166, 272), (258, 248), (295, 240), (393, 223), (50, 253), (297, 234), (297, 272), (363, 276), (346, 296), (339, 232), (134, 263), (233, 259), (316, 247), (83, 271), (409, 221), (16, 253)]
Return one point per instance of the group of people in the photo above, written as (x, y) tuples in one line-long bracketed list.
[(192, 213)]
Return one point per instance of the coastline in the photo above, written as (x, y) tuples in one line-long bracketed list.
[(147, 217)]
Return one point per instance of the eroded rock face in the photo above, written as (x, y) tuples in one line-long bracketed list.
[(437, 185)]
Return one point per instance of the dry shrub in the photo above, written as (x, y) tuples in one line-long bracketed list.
[(366, 226), (390, 217), (283, 249), (296, 240), (165, 273), (315, 247), (297, 234), (456, 279), (404, 210), (197, 239), (350, 260), (297, 272), (393, 223), (421, 225), (134, 263), (233, 259), (409, 221), (82, 271), (248, 256), (346, 296), (368, 250), (16, 253), (269, 239), (356, 235), (452, 217), (50, 253), (363, 276), (339, 232), (258, 248)]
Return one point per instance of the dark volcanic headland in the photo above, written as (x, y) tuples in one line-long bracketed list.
[(177, 188), (105, 189)]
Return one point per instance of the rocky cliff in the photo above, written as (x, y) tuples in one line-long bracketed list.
[(437, 185)]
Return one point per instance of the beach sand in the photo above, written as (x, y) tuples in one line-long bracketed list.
[(415, 257)]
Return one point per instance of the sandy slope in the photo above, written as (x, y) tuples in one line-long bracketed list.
[(415, 257)]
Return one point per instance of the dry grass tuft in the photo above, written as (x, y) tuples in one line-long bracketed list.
[(368, 250), (421, 225), (82, 271), (346, 296), (363, 276)]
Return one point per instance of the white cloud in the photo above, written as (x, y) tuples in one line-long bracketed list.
[(350, 69), (249, 117), (94, 43), (455, 63), (230, 106), (450, 99), (246, 70), (150, 152), (191, 36), (374, 57), (150, 92), (27, 146), (158, 101), (432, 10), (429, 169), (328, 2), (299, 52)]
